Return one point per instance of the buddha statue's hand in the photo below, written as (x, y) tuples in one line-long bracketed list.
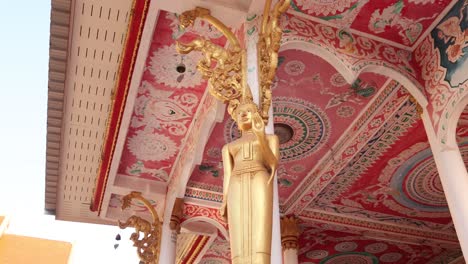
[(258, 127), (272, 175)]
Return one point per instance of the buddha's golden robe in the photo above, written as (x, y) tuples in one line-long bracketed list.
[(249, 203)]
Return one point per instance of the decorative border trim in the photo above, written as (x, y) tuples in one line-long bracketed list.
[(195, 249), (132, 43), (366, 224)]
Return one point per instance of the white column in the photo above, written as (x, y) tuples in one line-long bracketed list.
[(276, 250), (168, 245), (290, 256), (454, 179), (289, 239), (253, 81)]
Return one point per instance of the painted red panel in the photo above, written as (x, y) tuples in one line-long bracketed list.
[(322, 243), (397, 21), (168, 97), (308, 94)]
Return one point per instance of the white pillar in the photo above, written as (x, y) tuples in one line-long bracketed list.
[(276, 250), (454, 179), (290, 256), (253, 81), (168, 245), (289, 239)]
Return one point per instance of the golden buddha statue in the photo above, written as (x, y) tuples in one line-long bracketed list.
[(249, 164)]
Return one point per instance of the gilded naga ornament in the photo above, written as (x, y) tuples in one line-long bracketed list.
[(249, 162), (149, 245)]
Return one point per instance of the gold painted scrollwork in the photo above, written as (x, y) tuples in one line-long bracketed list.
[(267, 47), (148, 246)]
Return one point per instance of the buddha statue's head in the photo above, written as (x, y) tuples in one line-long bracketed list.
[(244, 115)]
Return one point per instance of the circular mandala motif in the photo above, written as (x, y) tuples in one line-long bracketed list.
[(294, 67), (390, 257), (376, 248), (424, 186), (351, 258), (345, 111), (149, 146), (310, 126), (338, 80), (346, 246), (418, 183), (317, 254), (178, 70)]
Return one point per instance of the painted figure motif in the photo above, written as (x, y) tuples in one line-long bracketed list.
[(249, 164), (451, 38), (409, 29)]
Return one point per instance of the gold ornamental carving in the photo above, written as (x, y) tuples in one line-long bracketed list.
[(289, 232), (227, 77), (267, 48), (149, 244), (249, 162)]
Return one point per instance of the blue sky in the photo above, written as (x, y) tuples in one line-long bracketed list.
[(24, 51), (24, 56)]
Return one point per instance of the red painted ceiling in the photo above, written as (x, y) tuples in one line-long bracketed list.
[(321, 243), (309, 94), (170, 92), (356, 151), (400, 21)]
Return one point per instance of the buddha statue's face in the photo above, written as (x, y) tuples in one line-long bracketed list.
[(244, 115)]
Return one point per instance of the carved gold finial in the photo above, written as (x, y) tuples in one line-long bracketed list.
[(148, 246), (289, 232), (177, 214)]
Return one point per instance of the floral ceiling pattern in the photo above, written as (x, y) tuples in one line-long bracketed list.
[(168, 97), (356, 166)]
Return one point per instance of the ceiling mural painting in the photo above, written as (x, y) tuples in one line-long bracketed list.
[(396, 21), (442, 61), (196, 210), (166, 103), (354, 51), (394, 174), (325, 244), (355, 164), (302, 121), (218, 253), (372, 120)]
